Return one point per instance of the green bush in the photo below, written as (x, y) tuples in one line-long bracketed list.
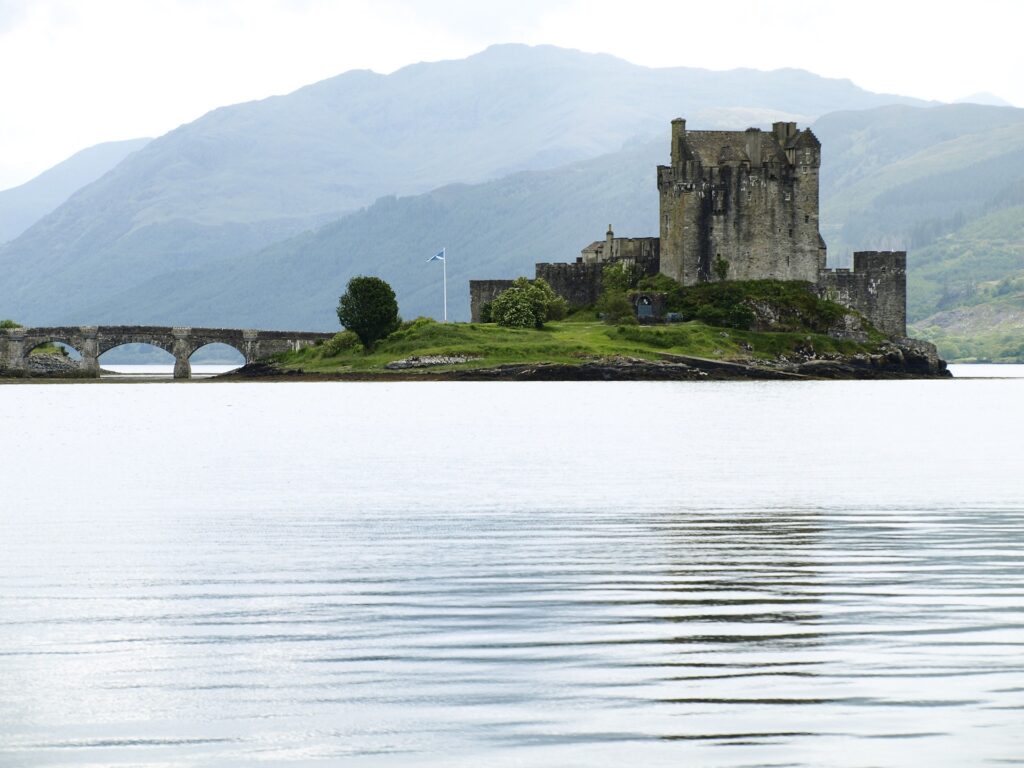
[(369, 309), (620, 276), (5, 324), (792, 305), (528, 304), (343, 341), (512, 308), (615, 308)]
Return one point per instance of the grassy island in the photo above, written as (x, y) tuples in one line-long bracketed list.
[(760, 325), (579, 337)]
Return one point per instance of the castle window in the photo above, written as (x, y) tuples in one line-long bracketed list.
[(790, 232), (807, 219)]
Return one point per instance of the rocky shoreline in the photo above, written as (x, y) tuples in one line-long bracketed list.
[(902, 359)]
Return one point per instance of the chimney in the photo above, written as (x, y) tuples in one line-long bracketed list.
[(753, 142), (784, 132), (678, 133)]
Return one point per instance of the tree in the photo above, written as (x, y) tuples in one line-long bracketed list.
[(528, 303), (369, 309), (613, 305), (615, 308), (5, 324), (620, 276)]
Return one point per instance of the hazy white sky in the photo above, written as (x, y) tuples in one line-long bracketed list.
[(77, 72)]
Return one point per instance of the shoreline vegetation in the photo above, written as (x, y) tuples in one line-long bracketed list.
[(724, 330), (730, 330), (581, 348)]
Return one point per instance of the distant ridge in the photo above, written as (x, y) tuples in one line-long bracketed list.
[(984, 98), (24, 205), (245, 176)]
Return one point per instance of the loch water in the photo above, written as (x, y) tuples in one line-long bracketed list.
[(546, 574)]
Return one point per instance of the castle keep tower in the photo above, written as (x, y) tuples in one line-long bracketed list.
[(741, 203)]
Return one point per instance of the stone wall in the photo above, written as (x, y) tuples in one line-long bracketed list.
[(483, 291), (876, 287), (577, 283)]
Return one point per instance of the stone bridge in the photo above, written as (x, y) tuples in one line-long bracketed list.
[(91, 341)]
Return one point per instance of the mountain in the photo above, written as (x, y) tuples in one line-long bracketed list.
[(986, 98), (900, 177), (968, 286), (946, 184), (23, 206), (248, 175), (491, 230)]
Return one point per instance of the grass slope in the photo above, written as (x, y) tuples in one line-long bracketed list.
[(571, 341), (732, 320)]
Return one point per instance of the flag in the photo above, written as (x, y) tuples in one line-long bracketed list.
[(439, 256)]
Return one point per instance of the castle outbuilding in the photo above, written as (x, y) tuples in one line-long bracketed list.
[(736, 205)]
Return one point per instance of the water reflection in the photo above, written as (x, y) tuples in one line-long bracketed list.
[(300, 619), (769, 636)]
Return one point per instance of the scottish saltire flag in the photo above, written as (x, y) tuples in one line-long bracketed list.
[(439, 256)]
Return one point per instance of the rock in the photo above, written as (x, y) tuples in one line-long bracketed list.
[(922, 357), (50, 366), (427, 361), (849, 327)]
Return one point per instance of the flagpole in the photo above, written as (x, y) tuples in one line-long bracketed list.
[(444, 279)]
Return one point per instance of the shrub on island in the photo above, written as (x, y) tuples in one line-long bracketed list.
[(528, 304), (369, 309)]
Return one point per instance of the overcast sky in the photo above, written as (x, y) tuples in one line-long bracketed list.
[(74, 73)]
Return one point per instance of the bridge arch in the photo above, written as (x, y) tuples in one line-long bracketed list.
[(222, 352), (134, 352), (33, 343), (108, 344)]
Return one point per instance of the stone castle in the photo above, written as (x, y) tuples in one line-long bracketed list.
[(737, 205)]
